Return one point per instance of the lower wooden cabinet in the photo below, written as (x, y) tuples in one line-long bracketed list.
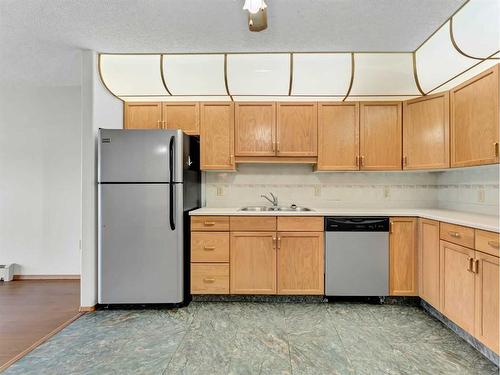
[(457, 284), (300, 263), (428, 255), (403, 256), (253, 262), (487, 312)]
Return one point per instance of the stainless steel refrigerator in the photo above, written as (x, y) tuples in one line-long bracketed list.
[(148, 181)]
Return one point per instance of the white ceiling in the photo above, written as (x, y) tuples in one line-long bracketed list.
[(40, 39)]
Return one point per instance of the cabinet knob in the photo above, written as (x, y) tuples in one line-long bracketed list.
[(405, 160), (470, 265), (495, 145)]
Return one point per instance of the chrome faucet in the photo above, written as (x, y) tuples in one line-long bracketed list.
[(274, 199)]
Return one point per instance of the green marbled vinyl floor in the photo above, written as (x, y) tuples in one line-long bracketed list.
[(257, 338)]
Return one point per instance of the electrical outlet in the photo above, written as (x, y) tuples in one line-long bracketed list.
[(387, 192), (480, 196), (220, 191), (317, 190)]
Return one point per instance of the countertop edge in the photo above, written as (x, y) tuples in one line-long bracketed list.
[(453, 217)]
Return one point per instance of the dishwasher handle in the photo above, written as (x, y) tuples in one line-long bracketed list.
[(356, 224)]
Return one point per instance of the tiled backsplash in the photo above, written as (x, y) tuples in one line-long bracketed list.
[(472, 189), (298, 184), (454, 189)]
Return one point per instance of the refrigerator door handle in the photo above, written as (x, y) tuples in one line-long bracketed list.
[(171, 183)]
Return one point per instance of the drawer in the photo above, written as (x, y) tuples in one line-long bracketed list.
[(487, 242), (457, 234), (207, 278), (252, 223), (210, 223), (209, 247), (300, 224)]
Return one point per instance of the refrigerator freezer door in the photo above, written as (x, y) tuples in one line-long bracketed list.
[(140, 256), (139, 155)]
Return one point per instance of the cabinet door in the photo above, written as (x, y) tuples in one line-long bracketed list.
[(217, 136), (338, 136), (297, 129), (255, 129), (487, 296), (145, 115), (380, 136), (429, 261), (300, 263), (457, 284), (182, 115), (403, 256), (474, 120), (253, 263), (426, 132)]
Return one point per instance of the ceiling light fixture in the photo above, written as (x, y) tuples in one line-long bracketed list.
[(257, 14)]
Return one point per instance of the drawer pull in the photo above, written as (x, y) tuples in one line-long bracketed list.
[(274, 242), (209, 223), (454, 234), (470, 266), (209, 248), (475, 267), (494, 244), (209, 280)]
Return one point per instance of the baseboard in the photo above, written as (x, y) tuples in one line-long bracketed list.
[(84, 309), (471, 340), (46, 277), (39, 342)]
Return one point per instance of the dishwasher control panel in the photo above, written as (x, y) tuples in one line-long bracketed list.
[(356, 224)]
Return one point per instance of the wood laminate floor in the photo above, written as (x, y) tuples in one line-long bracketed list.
[(31, 309)]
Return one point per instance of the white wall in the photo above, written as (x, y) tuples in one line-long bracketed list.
[(99, 110), (40, 182), (472, 189)]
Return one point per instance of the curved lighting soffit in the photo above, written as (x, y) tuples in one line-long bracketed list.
[(467, 43)]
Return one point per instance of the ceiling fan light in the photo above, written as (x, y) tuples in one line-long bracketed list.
[(253, 6)]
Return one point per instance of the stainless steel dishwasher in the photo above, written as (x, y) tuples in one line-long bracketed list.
[(357, 256)]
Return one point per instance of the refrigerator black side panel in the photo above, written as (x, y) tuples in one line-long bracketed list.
[(191, 172)]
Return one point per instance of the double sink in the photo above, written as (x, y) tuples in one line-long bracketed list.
[(292, 208)]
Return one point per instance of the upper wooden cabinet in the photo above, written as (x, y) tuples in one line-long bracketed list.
[(380, 136), (475, 120), (297, 129), (338, 136), (300, 263), (158, 115), (403, 256), (217, 136), (182, 115), (255, 129), (426, 132), (428, 256), (142, 115)]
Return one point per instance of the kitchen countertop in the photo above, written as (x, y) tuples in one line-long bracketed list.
[(479, 221)]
